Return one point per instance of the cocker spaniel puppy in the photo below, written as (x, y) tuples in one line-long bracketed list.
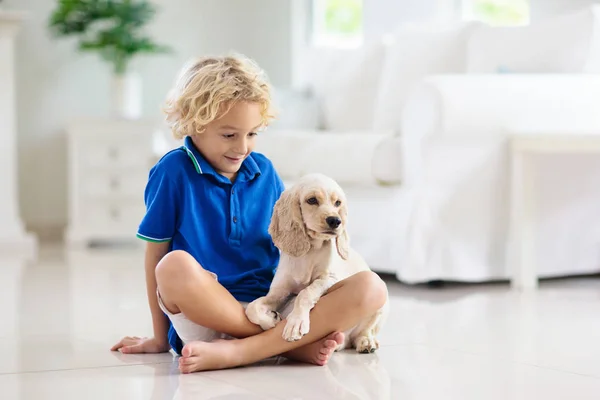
[(309, 227)]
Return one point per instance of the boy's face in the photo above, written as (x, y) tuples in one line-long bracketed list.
[(228, 140)]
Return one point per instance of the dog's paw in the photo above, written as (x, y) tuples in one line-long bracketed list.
[(297, 326), (269, 320), (366, 344), (261, 315)]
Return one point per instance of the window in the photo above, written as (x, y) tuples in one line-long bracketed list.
[(497, 12), (337, 23)]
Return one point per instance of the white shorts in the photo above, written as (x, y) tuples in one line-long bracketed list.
[(189, 331)]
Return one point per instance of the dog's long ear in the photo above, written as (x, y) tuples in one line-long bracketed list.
[(287, 227), (342, 241)]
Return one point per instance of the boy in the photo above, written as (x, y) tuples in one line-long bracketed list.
[(209, 252)]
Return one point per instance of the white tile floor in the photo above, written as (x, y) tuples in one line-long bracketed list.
[(62, 313)]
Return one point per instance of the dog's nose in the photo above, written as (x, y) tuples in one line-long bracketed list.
[(333, 222)]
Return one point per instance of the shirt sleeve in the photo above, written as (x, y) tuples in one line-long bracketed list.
[(161, 198)]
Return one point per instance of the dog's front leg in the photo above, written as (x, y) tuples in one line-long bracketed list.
[(262, 311), (298, 322)]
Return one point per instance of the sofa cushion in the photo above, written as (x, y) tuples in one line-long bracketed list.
[(347, 157), (563, 44), (412, 54), (295, 109), (346, 83)]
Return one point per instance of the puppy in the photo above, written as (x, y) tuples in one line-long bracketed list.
[(309, 227)]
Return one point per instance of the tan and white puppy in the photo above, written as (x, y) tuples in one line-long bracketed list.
[(309, 227)]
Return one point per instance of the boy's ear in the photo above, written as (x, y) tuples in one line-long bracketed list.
[(287, 227)]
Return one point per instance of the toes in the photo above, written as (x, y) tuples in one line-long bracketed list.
[(321, 361), (329, 345), (184, 369), (339, 337), (186, 360), (187, 351), (340, 347), (187, 365), (192, 348), (327, 350)]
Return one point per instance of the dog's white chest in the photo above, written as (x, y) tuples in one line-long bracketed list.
[(301, 279), (303, 273)]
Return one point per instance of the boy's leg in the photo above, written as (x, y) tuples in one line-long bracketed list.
[(340, 309), (185, 287)]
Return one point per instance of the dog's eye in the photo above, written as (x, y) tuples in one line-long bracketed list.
[(338, 203), (312, 201)]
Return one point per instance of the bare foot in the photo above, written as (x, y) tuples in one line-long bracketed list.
[(204, 356), (317, 353), (221, 354)]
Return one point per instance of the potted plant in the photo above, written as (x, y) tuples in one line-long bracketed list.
[(114, 29)]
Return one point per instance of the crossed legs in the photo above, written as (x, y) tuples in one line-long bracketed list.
[(187, 288)]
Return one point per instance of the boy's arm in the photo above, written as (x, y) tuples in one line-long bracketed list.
[(160, 322), (159, 343)]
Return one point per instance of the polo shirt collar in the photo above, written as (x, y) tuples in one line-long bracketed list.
[(248, 170), (200, 164), (250, 167)]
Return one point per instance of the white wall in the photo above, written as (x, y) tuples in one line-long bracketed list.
[(55, 83), (384, 16), (541, 9), (381, 16)]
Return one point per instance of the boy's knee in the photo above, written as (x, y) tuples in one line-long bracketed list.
[(374, 290), (175, 267)]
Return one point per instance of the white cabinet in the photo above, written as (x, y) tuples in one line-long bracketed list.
[(109, 161)]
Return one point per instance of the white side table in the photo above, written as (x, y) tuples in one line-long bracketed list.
[(521, 242)]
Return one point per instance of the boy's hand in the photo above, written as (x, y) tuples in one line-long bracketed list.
[(130, 345)]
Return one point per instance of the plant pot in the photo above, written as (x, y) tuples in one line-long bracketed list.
[(127, 96)]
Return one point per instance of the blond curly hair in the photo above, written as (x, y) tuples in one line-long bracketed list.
[(208, 87)]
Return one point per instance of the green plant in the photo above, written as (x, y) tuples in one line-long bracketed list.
[(506, 12), (113, 28), (343, 17)]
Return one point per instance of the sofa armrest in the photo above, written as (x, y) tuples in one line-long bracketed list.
[(386, 162), (485, 105), (476, 110)]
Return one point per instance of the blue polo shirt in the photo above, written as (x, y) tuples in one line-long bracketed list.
[(223, 225)]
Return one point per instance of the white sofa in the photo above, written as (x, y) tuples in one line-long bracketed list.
[(415, 130)]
